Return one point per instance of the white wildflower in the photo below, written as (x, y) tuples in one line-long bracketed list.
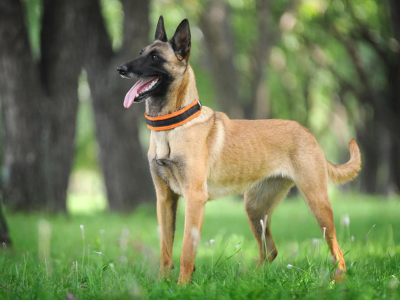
[(82, 231), (315, 242), (237, 246), (346, 220), (212, 243), (262, 226)]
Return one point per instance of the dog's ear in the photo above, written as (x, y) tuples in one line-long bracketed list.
[(160, 31), (180, 42)]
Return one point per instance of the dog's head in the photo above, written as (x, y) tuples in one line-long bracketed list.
[(159, 64)]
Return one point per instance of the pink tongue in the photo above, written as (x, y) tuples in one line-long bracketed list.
[(139, 86)]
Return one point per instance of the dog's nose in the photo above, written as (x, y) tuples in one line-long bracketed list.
[(122, 69)]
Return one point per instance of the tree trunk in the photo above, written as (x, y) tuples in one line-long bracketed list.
[(394, 102), (39, 105), (62, 44), (125, 168), (23, 183), (218, 36), (258, 105), (369, 138), (394, 79), (4, 236)]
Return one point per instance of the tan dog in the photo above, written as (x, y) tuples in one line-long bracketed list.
[(201, 154)]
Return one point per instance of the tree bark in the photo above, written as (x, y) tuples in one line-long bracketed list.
[(63, 41), (258, 105), (125, 168), (4, 236), (218, 36), (39, 104), (394, 77), (369, 140), (23, 184)]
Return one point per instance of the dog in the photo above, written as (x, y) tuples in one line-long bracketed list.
[(201, 154)]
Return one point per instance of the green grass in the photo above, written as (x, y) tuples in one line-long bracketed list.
[(128, 265)]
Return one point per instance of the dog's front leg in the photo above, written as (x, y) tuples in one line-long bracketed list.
[(167, 203), (194, 215)]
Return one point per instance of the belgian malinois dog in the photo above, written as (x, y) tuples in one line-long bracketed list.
[(201, 154)]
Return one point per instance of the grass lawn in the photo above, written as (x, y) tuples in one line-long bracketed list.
[(118, 257)]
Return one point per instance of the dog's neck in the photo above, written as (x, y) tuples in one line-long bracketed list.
[(181, 93)]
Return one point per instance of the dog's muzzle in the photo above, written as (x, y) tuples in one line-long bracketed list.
[(122, 70)]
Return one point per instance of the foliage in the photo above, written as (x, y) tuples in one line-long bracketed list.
[(310, 76), (127, 266), (304, 64)]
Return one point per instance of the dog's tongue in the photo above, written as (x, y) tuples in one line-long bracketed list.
[(139, 86)]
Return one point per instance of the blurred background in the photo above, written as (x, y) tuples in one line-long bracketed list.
[(69, 145)]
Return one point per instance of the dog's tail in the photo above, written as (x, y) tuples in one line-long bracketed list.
[(348, 171)]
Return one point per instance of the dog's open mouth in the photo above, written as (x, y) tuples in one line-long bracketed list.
[(144, 86)]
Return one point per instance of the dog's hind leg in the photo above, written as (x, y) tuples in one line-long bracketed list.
[(260, 201), (314, 188), (167, 203)]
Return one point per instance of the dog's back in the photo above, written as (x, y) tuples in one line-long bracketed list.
[(255, 149)]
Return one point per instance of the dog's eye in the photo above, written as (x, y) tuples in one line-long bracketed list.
[(154, 56)]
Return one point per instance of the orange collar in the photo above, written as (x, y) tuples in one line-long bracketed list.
[(175, 119)]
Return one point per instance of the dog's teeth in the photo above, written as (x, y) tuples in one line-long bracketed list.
[(148, 87)]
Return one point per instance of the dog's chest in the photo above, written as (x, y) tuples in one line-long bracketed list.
[(165, 162), (160, 142)]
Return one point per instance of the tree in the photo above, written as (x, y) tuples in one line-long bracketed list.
[(218, 37), (4, 236), (39, 103), (380, 97), (242, 89), (124, 166), (345, 55)]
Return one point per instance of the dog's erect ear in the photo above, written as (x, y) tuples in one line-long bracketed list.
[(160, 31), (180, 42)]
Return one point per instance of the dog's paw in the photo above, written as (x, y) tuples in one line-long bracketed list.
[(184, 279), (339, 275)]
